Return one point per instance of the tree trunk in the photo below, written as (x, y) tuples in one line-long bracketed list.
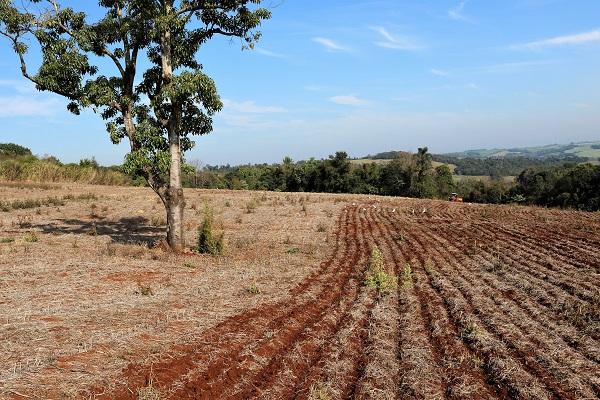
[(174, 201)]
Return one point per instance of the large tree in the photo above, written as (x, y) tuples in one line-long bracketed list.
[(152, 90)]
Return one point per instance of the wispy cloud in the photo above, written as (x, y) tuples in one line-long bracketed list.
[(20, 86), (330, 45), (457, 12), (250, 107), (439, 72), (395, 42), (349, 100), (515, 66), (20, 106), (269, 53), (567, 40)]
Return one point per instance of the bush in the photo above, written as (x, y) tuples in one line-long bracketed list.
[(207, 242), (377, 277)]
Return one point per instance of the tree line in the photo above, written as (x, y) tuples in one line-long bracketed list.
[(564, 184), (568, 185)]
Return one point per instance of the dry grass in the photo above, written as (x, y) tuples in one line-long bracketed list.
[(491, 300), (76, 307)]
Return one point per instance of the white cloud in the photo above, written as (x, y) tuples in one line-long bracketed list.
[(269, 53), (439, 72), (250, 107), (579, 38), (472, 86), (395, 42), (19, 106), (457, 14), (330, 45), (349, 100), (514, 66)]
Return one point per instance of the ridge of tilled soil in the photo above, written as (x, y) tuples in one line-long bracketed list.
[(470, 322)]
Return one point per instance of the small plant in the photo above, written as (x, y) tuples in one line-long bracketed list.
[(144, 290), (399, 237), (319, 391), (238, 219), (7, 240), (30, 237), (251, 206), (430, 267), (470, 332), (189, 265), (253, 289), (321, 227), (93, 231), (407, 276), (293, 250), (148, 393), (227, 204), (207, 242), (377, 277)]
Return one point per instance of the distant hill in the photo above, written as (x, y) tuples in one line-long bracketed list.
[(506, 162), (588, 150), (570, 152)]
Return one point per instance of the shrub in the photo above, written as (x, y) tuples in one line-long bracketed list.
[(207, 242), (253, 290), (30, 237), (377, 277)]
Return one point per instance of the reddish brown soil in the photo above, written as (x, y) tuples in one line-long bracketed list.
[(492, 301), (497, 303)]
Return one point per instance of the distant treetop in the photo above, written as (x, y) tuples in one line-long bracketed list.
[(12, 149)]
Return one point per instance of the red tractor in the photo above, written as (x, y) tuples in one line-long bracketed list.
[(455, 198)]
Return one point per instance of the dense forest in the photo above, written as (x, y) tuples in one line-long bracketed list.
[(556, 183)]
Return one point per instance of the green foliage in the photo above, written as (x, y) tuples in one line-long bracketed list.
[(13, 150), (208, 243), (254, 289), (407, 276), (574, 186), (135, 64), (377, 277)]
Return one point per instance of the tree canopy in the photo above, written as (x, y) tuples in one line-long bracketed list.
[(152, 91)]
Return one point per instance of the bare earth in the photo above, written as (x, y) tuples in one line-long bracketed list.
[(492, 302)]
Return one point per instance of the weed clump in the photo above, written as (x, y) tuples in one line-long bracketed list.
[(30, 237), (144, 290), (208, 243), (254, 289), (377, 277)]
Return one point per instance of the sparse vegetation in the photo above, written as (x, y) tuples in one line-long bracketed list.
[(30, 237), (253, 290), (453, 322), (377, 277), (208, 241)]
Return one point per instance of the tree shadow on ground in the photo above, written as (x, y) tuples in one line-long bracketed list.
[(124, 231)]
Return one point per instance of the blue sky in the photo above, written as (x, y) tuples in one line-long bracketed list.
[(367, 76)]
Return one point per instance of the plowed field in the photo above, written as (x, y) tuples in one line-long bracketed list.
[(490, 310), (492, 302)]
